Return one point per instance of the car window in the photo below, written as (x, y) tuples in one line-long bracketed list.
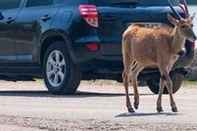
[(34, 3), (157, 2), (71, 2), (9, 4), (111, 2)]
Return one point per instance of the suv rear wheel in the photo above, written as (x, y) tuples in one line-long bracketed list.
[(61, 75), (177, 80)]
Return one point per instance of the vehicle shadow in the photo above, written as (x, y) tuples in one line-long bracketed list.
[(145, 114), (79, 94)]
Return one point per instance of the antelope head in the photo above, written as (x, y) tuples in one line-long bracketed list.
[(184, 26)]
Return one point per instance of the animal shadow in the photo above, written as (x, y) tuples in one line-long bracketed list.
[(140, 114)]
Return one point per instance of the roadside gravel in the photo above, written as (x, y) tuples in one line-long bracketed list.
[(100, 106), (35, 124)]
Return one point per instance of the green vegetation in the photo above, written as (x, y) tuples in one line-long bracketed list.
[(40, 81), (191, 84)]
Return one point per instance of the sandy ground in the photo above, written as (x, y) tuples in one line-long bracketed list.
[(26, 106)]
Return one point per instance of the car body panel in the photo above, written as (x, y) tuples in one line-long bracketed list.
[(29, 31), (31, 34), (7, 32)]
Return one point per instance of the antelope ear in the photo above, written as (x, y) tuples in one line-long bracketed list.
[(172, 20), (193, 16)]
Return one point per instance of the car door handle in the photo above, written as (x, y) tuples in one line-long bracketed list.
[(10, 20), (45, 18)]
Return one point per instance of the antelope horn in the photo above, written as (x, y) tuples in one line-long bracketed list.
[(173, 10), (184, 2)]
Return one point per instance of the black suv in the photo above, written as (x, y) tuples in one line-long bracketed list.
[(66, 41)]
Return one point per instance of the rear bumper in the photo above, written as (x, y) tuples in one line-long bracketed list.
[(106, 63), (106, 52), (110, 54)]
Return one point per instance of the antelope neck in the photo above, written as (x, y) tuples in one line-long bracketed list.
[(178, 41)]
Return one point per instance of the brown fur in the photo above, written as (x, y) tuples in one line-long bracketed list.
[(144, 47), (145, 40)]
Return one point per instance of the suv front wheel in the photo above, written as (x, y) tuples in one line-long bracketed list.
[(61, 75)]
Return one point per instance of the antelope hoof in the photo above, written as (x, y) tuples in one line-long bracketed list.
[(174, 109), (130, 110), (136, 104), (159, 109)]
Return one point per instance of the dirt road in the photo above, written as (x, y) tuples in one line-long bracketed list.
[(27, 106)]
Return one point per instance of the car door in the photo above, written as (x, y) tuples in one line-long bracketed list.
[(8, 10), (33, 19)]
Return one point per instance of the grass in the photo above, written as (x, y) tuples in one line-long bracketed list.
[(191, 84), (40, 81)]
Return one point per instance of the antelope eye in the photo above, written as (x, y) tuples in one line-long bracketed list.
[(184, 26)]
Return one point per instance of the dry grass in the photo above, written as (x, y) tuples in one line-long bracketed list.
[(191, 84), (102, 82)]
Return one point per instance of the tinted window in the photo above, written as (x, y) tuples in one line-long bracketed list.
[(114, 1), (157, 2), (139, 2), (33, 3), (9, 4), (71, 2)]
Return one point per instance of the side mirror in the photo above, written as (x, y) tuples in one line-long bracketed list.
[(1, 16)]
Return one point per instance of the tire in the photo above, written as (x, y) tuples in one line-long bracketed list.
[(61, 75), (177, 80)]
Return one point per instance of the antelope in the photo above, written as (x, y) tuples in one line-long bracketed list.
[(157, 47)]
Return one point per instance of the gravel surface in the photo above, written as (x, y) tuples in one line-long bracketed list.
[(26, 106), (31, 124)]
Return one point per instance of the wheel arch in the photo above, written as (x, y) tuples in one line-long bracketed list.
[(52, 36)]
